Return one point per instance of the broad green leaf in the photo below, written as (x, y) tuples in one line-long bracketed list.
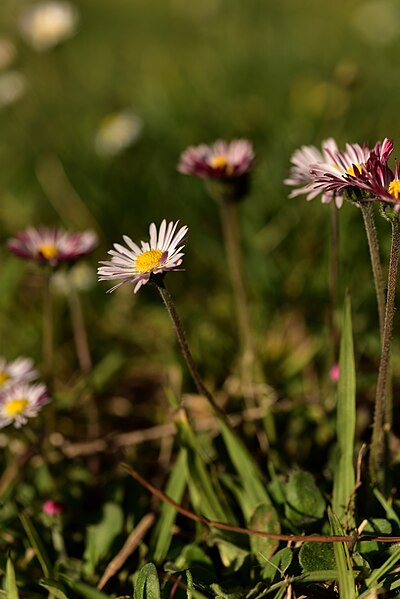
[(314, 557), (174, 489), (264, 519), (347, 588), (344, 479), (305, 503), (147, 585), (100, 536), (11, 584), (375, 526), (37, 544)]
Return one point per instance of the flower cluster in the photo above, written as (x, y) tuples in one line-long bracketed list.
[(19, 398), (357, 169)]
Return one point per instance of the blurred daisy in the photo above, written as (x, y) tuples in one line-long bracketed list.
[(221, 160), (134, 264), (20, 370), (117, 132), (52, 245), (20, 402), (8, 53), (48, 23), (12, 87)]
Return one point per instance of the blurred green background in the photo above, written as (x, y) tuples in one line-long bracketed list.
[(282, 74)]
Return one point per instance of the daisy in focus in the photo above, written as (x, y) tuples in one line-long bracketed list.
[(47, 24), (52, 245), (20, 370), (20, 402), (331, 171), (134, 264), (221, 160), (349, 168)]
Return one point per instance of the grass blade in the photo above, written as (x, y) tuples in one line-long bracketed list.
[(147, 585), (174, 489), (37, 544), (344, 480), (347, 589), (11, 584)]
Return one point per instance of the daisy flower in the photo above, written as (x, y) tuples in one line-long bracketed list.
[(331, 171), (52, 245), (20, 370), (380, 182), (300, 173), (221, 160), (20, 402), (47, 24), (134, 264), (348, 168)]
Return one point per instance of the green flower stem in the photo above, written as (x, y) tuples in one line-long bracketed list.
[(79, 331), (229, 217), (381, 410), (180, 332), (367, 211), (48, 330), (333, 281)]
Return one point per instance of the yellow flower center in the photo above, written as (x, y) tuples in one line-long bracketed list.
[(15, 407), (350, 170), (3, 378), (148, 260), (394, 189), (48, 250), (221, 161)]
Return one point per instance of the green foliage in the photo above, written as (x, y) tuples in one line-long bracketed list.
[(305, 503), (11, 585), (100, 536), (147, 584), (344, 479), (264, 519), (317, 556)]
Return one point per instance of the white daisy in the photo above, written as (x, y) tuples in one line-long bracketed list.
[(20, 370), (134, 264), (21, 401)]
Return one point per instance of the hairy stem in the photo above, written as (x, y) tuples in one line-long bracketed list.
[(367, 211), (384, 366), (79, 331), (48, 330), (230, 226), (180, 332)]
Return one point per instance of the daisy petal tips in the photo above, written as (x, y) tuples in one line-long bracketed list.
[(136, 264)]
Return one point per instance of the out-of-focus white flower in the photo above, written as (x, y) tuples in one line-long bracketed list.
[(50, 245), (80, 277), (8, 53), (48, 23), (20, 402), (12, 87), (20, 369), (117, 132)]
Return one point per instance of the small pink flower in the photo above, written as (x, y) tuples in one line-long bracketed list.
[(52, 508), (221, 160), (334, 373), (52, 245)]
